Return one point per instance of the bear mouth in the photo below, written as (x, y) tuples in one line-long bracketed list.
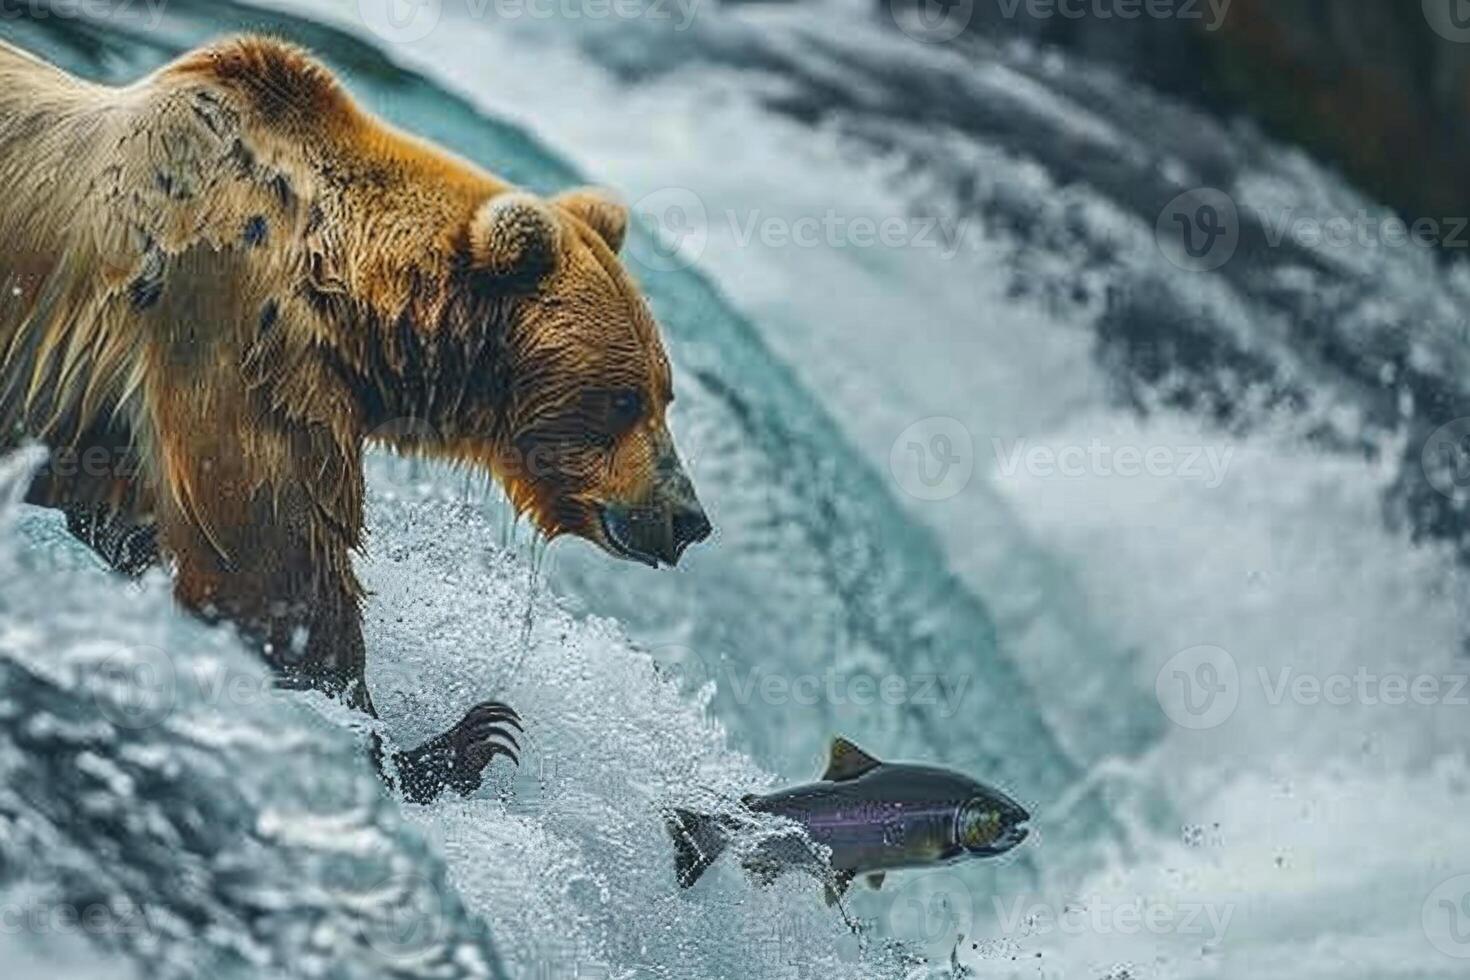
[(654, 534), (617, 539)]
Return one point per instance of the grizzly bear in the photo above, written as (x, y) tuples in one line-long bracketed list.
[(220, 282)]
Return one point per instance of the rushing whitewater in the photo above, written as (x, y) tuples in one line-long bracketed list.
[(157, 790), (1289, 836), (160, 790)]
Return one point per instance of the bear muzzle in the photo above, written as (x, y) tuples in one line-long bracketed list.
[(658, 530)]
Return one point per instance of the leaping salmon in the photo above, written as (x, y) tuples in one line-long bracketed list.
[(873, 816)]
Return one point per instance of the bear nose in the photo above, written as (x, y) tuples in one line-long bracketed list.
[(690, 526)]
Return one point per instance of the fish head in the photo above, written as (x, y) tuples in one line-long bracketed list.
[(990, 823)]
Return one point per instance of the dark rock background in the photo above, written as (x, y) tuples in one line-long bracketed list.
[(1369, 86)]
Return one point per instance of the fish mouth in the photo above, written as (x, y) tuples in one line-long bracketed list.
[(1012, 837), (1009, 839), (1016, 829)]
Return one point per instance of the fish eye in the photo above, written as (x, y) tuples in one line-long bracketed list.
[(979, 825)]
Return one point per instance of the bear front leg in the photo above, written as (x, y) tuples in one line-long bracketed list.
[(250, 545), (299, 605), (256, 555), (296, 603), (260, 524)]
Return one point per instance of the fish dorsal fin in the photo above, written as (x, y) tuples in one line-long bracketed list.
[(848, 762), (875, 881)]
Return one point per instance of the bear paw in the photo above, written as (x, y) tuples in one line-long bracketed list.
[(458, 758)]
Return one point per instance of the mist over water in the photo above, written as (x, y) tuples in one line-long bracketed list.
[(1119, 639)]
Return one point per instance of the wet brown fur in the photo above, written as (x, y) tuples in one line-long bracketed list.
[(229, 276)]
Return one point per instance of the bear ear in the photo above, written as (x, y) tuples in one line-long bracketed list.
[(514, 236), (602, 211)]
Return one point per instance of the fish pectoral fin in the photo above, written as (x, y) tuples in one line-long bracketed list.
[(837, 886), (875, 882), (847, 761)]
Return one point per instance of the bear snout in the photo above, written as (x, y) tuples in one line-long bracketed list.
[(690, 525), (657, 531)]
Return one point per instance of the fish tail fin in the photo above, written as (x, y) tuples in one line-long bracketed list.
[(698, 843)]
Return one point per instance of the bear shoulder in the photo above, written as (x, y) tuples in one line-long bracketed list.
[(246, 143), (276, 81), (235, 196)]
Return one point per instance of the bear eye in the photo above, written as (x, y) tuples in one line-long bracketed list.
[(626, 408)]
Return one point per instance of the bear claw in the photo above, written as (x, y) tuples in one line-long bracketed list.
[(458, 757)]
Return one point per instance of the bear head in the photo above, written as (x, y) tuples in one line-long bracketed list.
[(561, 386), (585, 435)]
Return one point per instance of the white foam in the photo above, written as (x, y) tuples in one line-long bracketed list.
[(570, 862), (1323, 827)]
